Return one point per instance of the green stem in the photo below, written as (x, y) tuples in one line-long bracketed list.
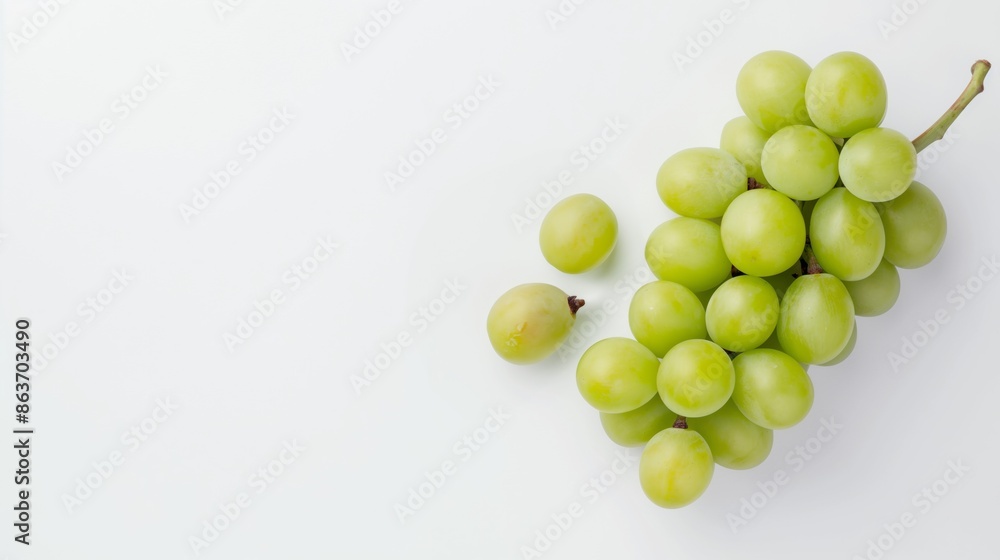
[(975, 87)]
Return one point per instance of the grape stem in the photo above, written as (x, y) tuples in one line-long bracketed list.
[(681, 422), (811, 264), (938, 129), (575, 304)]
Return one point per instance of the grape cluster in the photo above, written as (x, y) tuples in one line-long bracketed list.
[(792, 228)]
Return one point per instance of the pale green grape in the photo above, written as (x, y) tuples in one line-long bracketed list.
[(846, 235), (771, 90), (617, 375), (845, 94), (800, 162), (816, 319), (695, 378), (772, 390), (578, 233), (676, 467), (846, 352), (878, 164), (530, 322), (781, 282), (742, 313), (700, 182), (745, 141), (635, 427), (664, 313), (773, 343), (915, 227), (688, 251), (877, 293), (735, 441), (763, 232)]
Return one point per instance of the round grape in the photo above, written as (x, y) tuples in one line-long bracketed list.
[(915, 227), (664, 313), (742, 313), (696, 378), (800, 162), (845, 94), (617, 375), (700, 182), (578, 233), (635, 427), (816, 319), (771, 90), (688, 251), (877, 293), (529, 322), (763, 232), (878, 164), (745, 141), (676, 467), (735, 441), (846, 235), (772, 390)]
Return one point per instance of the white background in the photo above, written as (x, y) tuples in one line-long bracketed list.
[(162, 336)]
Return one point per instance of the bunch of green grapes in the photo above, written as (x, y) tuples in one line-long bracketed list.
[(785, 234)]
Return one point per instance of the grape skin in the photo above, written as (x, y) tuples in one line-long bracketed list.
[(772, 390), (846, 235), (578, 233), (745, 141), (771, 90), (763, 232), (878, 164), (846, 94), (635, 427), (742, 313), (688, 251), (700, 182), (617, 375), (877, 293), (529, 322), (915, 227), (816, 318), (735, 442), (676, 467), (696, 378), (801, 162), (663, 313)]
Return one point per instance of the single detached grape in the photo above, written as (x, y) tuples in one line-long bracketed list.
[(745, 141), (700, 182), (771, 90), (846, 352), (617, 375), (763, 232), (688, 251), (529, 322), (915, 227), (772, 390), (877, 293), (845, 94), (742, 313), (676, 467), (878, 164), (735, 441), (635, 427), (696, 378), (800, 162), (846, 235), (578, 233), (664, 313), (816, 319)]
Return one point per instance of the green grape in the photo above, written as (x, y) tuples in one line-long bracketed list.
[(617, 375), (676, 467), (846, 352), (772, 390), (763, 232), (744, 141), (635, 427), (773, 343), (529, 322), (700, 182), (688, 251), (846, 235), (816, 319), (742, 313), (800, 162), (915, 227), (878, 164), (695, 378), (846, 94), (664, 313), (578, 233), (877, 293), (781, 282), (771, 90), (735, 441)]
